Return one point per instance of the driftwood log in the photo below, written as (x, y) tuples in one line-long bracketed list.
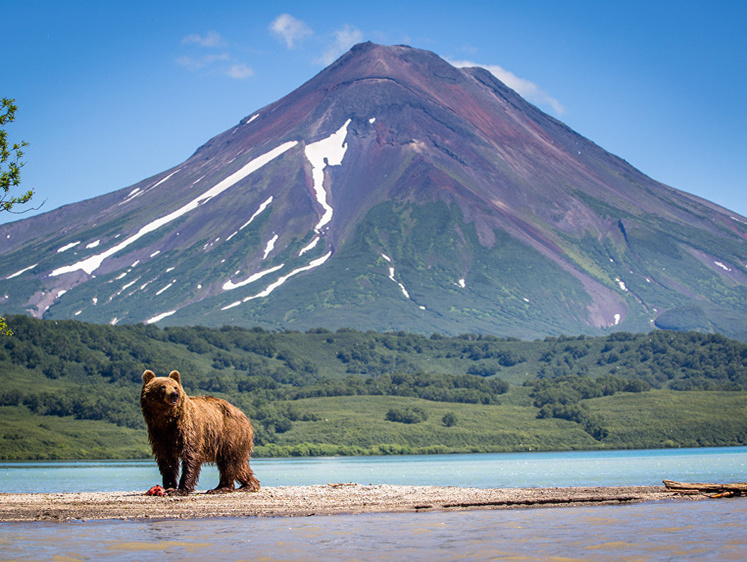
[(718, 490)]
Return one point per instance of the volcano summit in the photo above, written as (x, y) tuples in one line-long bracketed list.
[(392, 191)]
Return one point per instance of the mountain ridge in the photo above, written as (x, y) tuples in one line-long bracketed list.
[(578, 240)]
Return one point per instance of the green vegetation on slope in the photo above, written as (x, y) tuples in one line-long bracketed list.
[(70, 389)]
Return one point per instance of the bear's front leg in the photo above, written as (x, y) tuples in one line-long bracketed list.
[(190, 475), (169, 469)]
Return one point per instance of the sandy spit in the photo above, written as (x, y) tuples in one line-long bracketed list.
[(329, 499)]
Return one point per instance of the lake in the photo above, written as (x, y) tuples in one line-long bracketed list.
[(504, 470), (705, 530)]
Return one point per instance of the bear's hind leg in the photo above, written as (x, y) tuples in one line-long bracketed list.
[(248, 481)]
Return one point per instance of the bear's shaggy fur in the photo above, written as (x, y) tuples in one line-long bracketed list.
[(193, 431)]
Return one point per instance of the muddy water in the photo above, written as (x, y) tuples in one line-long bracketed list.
[(704, 530)]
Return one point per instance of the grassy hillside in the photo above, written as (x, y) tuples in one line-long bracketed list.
[(70, 390)]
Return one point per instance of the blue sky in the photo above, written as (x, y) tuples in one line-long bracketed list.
[(110, 93)]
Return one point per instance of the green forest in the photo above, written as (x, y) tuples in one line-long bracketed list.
[(70, 390)]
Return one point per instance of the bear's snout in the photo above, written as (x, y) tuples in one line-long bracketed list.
[(173, 397)]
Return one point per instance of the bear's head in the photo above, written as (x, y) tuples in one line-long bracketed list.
[(161, 393)]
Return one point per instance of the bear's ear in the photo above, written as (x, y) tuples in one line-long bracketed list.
[(176, 376), (148, 376)]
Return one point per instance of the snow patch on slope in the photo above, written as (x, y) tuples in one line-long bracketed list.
[(67, 247), (270, 288), (229, 285), (17, 273), (158, 317), (166, 287), (401, 286), (91, 264), (137, 191), (262, 207), (391, 276), (309, 246), (320, 154), (258, 212), (270, 246)]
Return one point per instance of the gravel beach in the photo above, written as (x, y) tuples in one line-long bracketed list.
[(298, 501)]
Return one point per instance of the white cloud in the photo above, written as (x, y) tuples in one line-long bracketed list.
[(211, 39), (289, 29), (525, 88), (239, 71), (214, 65), (217, 64), (344, 39), (198, 63)]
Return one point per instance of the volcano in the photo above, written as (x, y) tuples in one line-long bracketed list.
[(391, 192)]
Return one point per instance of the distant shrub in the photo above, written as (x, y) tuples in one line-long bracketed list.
[(408, 415), (283, 425), (482, 370)]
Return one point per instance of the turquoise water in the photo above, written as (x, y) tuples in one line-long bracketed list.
[(511, 470), (702, 530)]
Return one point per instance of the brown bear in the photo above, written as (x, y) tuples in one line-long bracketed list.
[(195, 430)]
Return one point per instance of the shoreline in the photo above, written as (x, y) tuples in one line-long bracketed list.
[(324, 499)]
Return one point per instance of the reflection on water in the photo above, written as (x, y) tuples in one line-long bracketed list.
[(703, 530)]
